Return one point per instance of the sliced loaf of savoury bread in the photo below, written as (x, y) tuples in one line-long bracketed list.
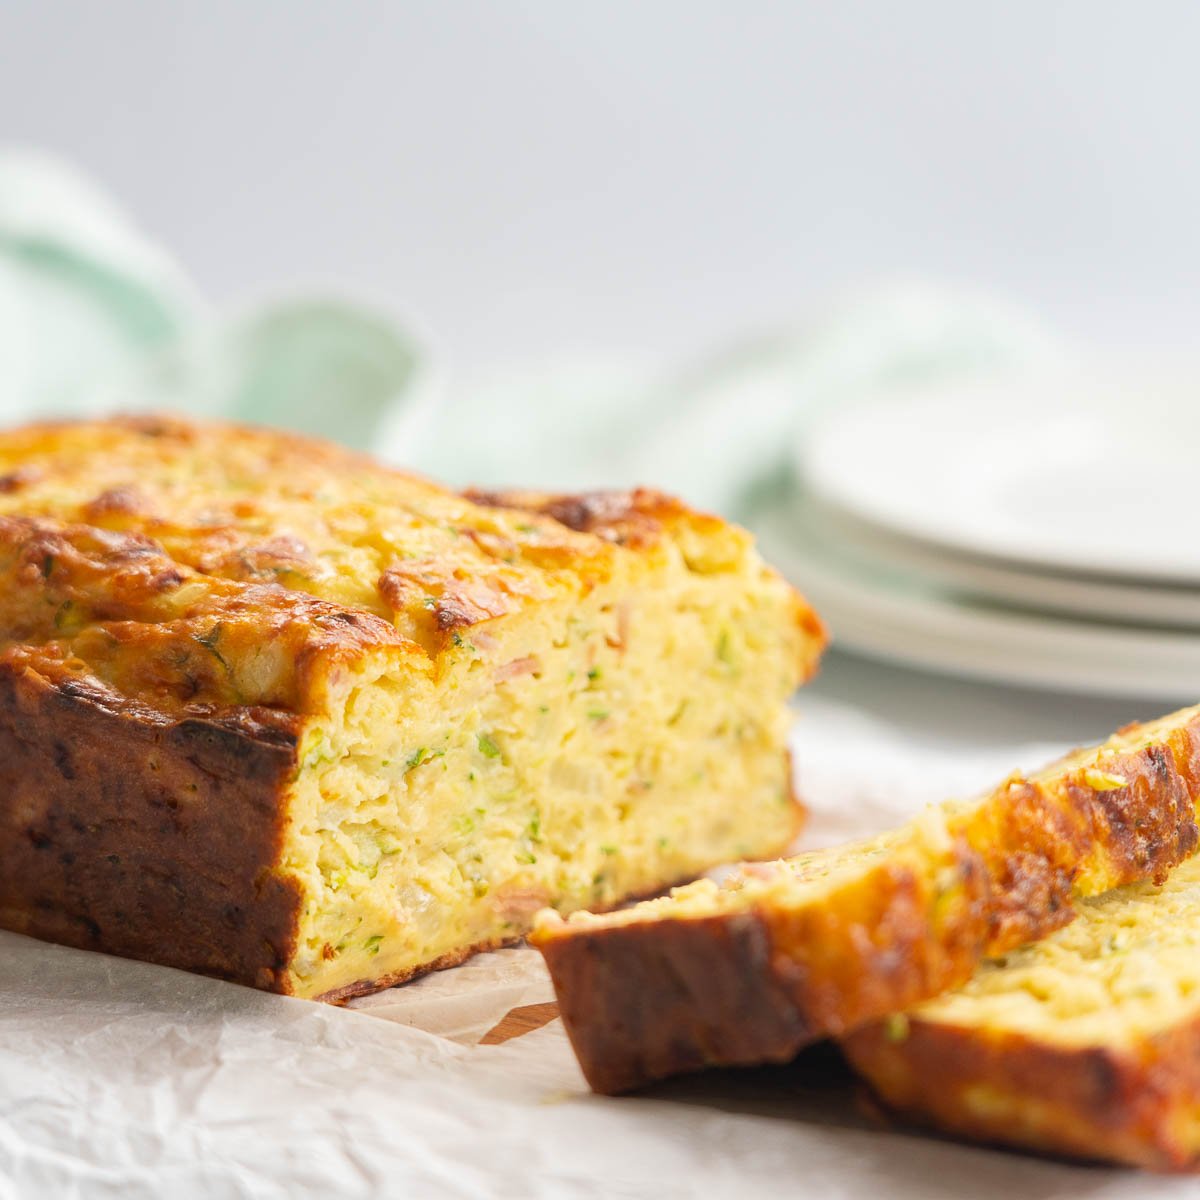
[(784, 953)]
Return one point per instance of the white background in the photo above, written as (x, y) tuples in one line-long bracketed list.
[(637, 177)]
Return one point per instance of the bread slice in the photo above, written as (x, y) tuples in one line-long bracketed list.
[(784, 953), (1084, 1044), (271, 711)]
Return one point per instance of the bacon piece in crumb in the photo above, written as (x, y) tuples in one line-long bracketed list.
[(518, 904), (621, 640), (530, 665)]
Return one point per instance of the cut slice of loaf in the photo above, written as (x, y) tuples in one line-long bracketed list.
[(1085, 1044), (784, 953)]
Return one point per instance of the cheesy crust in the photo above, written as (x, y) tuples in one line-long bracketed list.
[(1085, 1044), (333, 724)]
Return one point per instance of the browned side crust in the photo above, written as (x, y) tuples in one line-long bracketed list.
[(1036, 850), (124, 831), (708, 993), (648, 999), (1139, 1106)]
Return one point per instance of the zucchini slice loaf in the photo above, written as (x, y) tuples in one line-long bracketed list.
[(784, 953), (275, 713), (1085, 1044)]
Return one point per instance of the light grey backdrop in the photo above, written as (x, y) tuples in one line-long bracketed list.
[(637, 177)]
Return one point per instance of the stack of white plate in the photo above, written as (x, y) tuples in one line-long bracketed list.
[(1044, 533)]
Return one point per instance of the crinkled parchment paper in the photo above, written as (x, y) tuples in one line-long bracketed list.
[(119, 1079)]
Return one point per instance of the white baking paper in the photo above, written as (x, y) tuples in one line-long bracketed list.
[(119, 1079)]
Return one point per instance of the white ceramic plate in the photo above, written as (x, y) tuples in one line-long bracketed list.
[(886, 615), (1095, 475), (1043, 592)]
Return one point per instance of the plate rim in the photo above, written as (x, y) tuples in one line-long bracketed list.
[(1120, 601), (811, 462), (1022, 649)]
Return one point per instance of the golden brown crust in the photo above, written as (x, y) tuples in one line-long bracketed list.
[(125, 831), (646, 1000), (639, 1001), (240, 508), (704, 991), (1042, 839), (1136, 1105), (113, 607)]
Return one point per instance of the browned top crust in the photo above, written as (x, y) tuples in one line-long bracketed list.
[(206, 568), (629, 518)]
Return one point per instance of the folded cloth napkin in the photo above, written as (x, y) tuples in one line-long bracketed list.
[(83, 295), (95, 317)]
